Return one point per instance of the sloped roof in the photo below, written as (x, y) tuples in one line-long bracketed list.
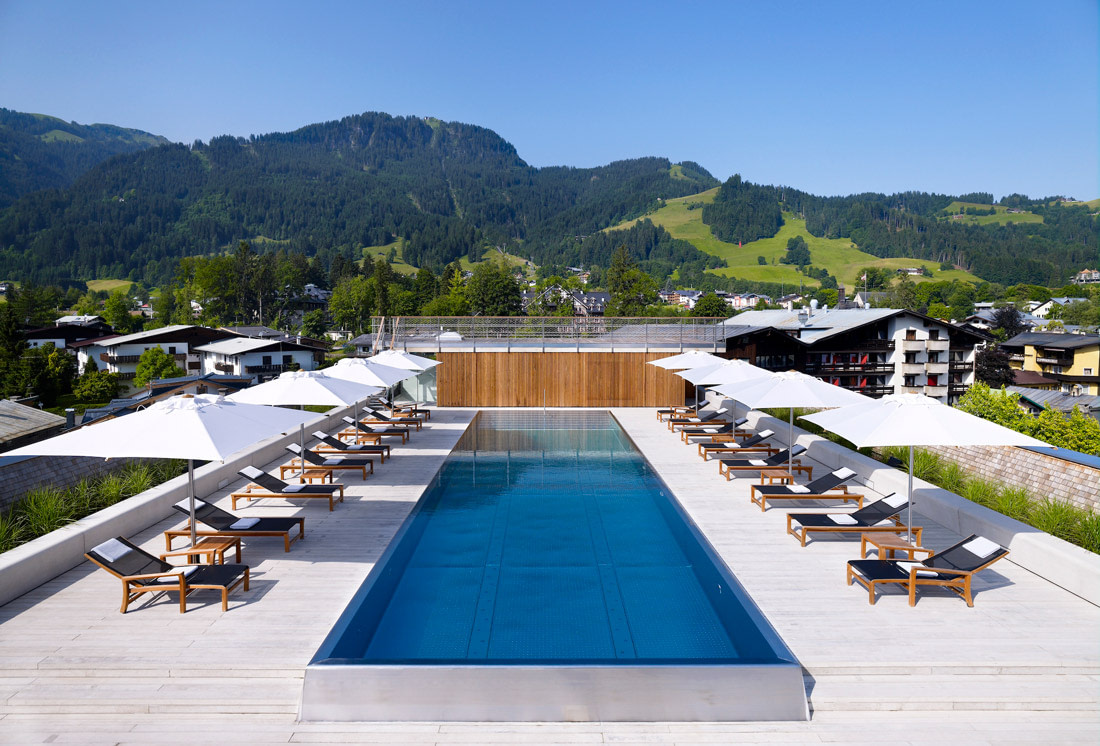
[(19, 420), (1052, 339), (241, 345)]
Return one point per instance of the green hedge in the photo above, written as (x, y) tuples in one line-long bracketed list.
[(1066, 521), (48, 508)]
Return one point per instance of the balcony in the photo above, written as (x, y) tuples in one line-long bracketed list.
[(936, 392), (912, 369), (960, 366), (223, 367), (938, 345), (1015, 358), (116, 359), (936, 369), (1065, 362), (194, 365), (268, 369), (879, 345)]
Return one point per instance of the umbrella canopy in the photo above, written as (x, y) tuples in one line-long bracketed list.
[(915, 420), (364, 371), (197, 428), (306, 387), (402, 359), (689, 359), (725, 372), (790, 389)]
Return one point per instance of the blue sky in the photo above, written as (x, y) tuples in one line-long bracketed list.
[(831, 97)]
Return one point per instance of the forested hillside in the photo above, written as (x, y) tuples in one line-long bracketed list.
[(448, 189), (911, 224), (42, 152)]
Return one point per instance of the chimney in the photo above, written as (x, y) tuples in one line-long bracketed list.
[(70, 418), (840, 296)]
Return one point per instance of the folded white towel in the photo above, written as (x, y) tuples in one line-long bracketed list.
[(906, 564), (112, 550), (844, 473), (981, 547), (185, 570), (843, 519), (294, 487), (244, 523), (185, 504), (800, 488), (895, 500), (758, 462)]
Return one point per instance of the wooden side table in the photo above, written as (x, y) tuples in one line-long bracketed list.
[(887, 545), (776, 476), (309, 476), (213, 547)]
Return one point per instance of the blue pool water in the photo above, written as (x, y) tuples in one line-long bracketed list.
[(547, 539)]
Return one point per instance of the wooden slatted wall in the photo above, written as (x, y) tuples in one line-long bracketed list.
[(568, 379)]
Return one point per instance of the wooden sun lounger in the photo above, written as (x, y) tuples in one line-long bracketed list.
[(363, 433), (731, 467), (755, 443), (319, 463), (713, 418), (224, 523), (829, 487), (954, 568), (672, 411), (268, 485), (881, 516), (381, 418), (728, 429), (329, 444), (141, 572)]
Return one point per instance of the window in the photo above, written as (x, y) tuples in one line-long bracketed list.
[(933, 333), (933, 357), (910, 381), (1088, 371), (933, 379), (266, 360), (910, 357), (910, 335), (171, 350), (287, 359)]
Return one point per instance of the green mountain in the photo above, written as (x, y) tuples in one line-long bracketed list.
[(448, 189), (1044, 243), (43, 152)]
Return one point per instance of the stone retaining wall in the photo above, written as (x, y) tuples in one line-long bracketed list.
[(1043, 476)]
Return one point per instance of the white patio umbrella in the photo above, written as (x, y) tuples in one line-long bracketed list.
[(689, 359), (790, 389), (198, 428), (306, 387), (724, 372), (915, 420), (364, 370), (402, 359)]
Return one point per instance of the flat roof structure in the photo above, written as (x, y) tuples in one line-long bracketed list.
[(1019, 667)]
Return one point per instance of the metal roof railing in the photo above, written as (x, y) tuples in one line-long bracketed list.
[(547, 334)]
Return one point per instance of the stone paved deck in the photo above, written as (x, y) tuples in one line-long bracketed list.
[(1022, 666)]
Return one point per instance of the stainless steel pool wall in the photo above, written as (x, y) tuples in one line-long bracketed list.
[(340, 685)]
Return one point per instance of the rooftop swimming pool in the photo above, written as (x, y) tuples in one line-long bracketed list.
[(548, 574)]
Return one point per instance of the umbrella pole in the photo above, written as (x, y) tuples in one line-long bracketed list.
[(191, 499), (302, 455), (909, 509), (790, 443)]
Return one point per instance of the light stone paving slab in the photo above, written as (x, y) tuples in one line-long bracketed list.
[(1023, 666)]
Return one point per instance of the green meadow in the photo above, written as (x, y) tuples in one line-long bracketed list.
[(1001, 217), (839, 256), (109, 286)]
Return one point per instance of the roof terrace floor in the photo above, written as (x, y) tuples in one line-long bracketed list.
[(1023, 665)]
